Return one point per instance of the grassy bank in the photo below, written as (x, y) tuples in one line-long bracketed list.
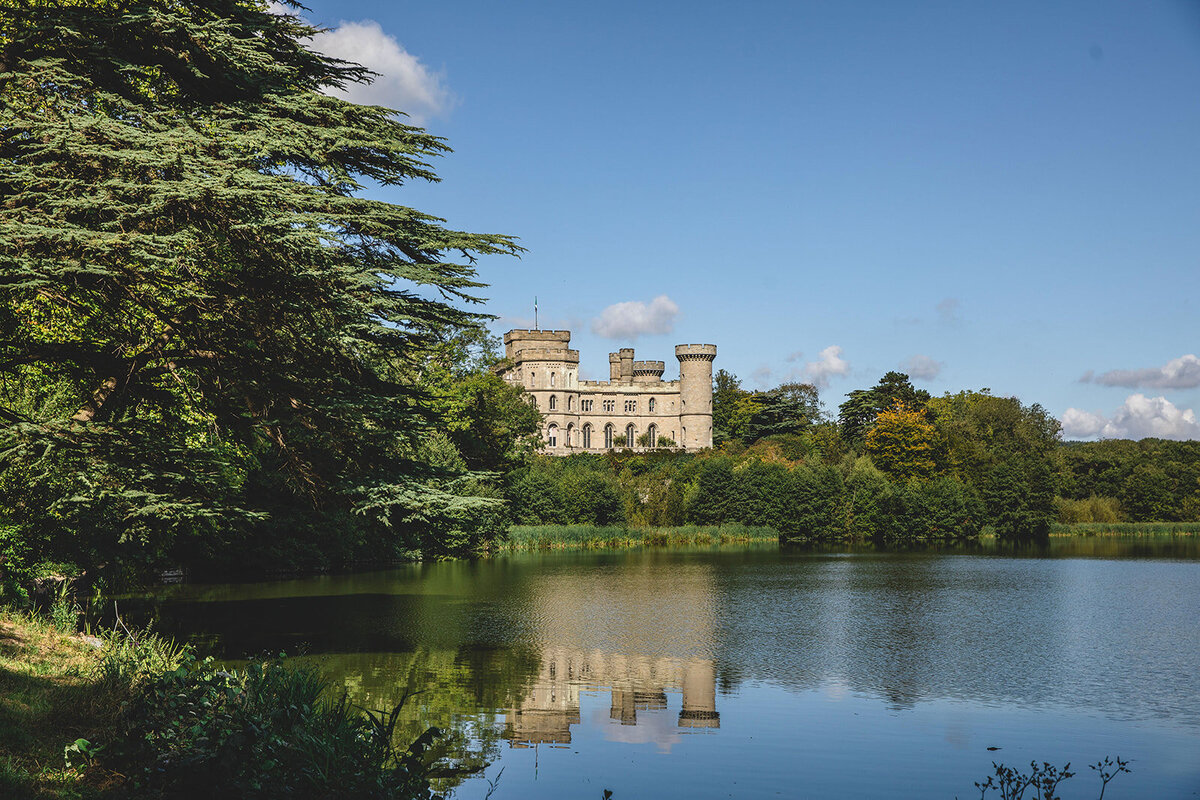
[(133, 715), (584, 537), (1127, 529), (50, 695)]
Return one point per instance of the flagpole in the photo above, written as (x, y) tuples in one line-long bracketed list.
[(535, 319)]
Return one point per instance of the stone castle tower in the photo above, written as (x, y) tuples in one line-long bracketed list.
[(635, 408)]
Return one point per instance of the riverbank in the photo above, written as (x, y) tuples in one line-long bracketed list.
[(132, 714), (49, 697), (590, 537), (1126, 529)]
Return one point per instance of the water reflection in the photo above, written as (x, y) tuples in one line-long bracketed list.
[(551, 704), (759, 647)]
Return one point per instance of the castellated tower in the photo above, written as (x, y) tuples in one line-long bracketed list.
[(695, 394), (635, 409)]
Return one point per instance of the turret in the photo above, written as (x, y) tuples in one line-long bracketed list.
[(614, 367), (626, 354), (695, 394), (648, 371)]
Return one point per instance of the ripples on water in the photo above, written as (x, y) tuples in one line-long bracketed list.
[(759, 672)]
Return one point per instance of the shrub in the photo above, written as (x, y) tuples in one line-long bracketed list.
[(262, 732)]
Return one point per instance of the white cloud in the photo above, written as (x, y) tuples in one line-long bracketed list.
[(402, 82), (829, 363), (634, 318), (922, 367), (795, 355), (1138, 418), (762, 375), (1178, 373), (1079, 424)]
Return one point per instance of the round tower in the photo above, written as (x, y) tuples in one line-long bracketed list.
[(695, 394)]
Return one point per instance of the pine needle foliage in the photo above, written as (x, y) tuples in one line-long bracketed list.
[(205, 325)]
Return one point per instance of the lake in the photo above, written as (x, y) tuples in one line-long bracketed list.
[(756, 671)]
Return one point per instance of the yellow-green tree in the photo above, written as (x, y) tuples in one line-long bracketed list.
[(903, 443)]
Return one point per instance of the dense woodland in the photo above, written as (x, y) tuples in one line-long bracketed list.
[(216, 353)]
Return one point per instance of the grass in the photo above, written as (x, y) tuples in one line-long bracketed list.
[(590, 537), (1127, 529), (50, 695)]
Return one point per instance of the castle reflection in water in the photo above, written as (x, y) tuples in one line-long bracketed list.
[(551, 705)]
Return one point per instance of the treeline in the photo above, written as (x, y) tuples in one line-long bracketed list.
[(1152, 480), (851, 500), (896, 465)]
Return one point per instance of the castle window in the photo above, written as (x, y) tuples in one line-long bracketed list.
[(553, 402), (651, 404), (570, 435), (610, 405), (532, 376), (585, 405), (587, 436), (608, 437), (551, 379), (630, 406), (683, 438), (570, 402), (630, 438), (653, 437), (552, 435)]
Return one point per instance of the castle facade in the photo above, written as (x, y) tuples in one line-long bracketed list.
[(635, 408)]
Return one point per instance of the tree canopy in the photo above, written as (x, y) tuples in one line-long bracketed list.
[(206, 325)]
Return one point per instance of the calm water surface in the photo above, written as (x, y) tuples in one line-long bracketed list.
[(758, 672)]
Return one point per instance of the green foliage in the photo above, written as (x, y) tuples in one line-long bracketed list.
[(130, 659), (209, 340), (1091, 509), (16, 571), (740, 415), (1152, 479), (903, 444), (260, 732), (713, 492), (856, 416)]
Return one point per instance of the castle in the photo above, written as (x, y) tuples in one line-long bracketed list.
[(635, 408)]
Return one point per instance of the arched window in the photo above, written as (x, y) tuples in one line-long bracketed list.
[(568, 439), (630, 437), (653, 437), (570, 402), (587, 437), (552, 435), (553, 401), (532, 375), (551, 380), (683, 435), (652, 404), (608, 437)]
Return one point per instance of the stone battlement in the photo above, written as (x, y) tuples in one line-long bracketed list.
[(702, 352), (549, 354)]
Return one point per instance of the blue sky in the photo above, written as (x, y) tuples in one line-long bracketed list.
[(1001, 195)]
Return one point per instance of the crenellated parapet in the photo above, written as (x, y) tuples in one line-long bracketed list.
[(548, 354), (695, 352)]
